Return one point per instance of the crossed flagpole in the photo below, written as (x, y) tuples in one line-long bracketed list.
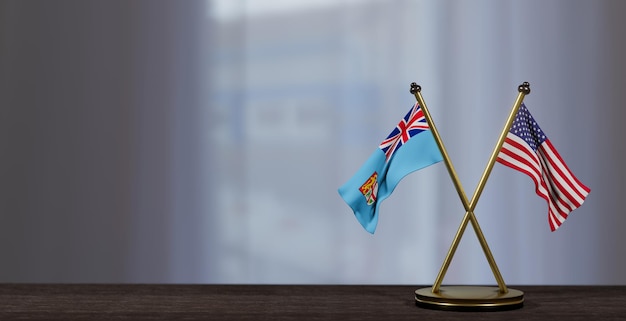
[(470, 205)]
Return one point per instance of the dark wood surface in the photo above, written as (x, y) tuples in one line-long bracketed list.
[(287, 302)]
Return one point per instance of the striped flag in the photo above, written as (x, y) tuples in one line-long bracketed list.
[(528, 150)]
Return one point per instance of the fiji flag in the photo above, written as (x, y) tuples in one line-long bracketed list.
[(409, 147)]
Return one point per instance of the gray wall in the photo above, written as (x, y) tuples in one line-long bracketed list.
[(101, 112)]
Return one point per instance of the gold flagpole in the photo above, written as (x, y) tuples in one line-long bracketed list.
[(469, 209), (472, 298), (524, 89), (416, 90)]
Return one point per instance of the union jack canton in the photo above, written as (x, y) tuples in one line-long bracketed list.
[(412, 124)]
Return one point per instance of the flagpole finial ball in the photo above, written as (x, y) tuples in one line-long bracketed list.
[(415, 88), (524, 88)]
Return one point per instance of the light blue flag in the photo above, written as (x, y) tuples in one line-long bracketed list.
[(410, 147)]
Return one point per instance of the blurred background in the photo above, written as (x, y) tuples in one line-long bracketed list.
[(152, 141)]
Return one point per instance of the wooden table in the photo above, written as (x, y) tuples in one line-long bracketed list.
[(287, 302)]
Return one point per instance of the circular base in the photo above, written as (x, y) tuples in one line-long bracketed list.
[(469, 298)]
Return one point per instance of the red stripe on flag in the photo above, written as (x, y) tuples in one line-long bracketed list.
[(579, 188), (523, 159), (554, 182)]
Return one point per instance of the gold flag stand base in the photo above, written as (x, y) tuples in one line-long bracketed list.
[(469, 298)]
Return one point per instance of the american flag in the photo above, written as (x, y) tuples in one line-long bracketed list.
[(412, 124), (528, 150)]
